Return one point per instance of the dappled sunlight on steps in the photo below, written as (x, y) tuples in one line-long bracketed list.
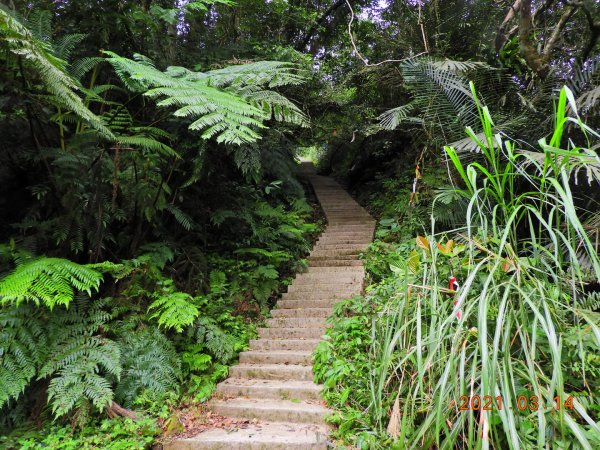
[(272, 385)]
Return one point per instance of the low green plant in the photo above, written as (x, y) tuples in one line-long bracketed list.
[(109, 434)]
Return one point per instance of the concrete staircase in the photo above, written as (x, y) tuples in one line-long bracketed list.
[(272, 385)]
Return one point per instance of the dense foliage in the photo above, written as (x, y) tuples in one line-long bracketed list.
[(150, 212)]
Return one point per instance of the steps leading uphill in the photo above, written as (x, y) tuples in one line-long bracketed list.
[(272, 385)]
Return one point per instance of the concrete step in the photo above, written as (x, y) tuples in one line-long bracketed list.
[(342, 288), (337, 257), (332, 278), (272, 410), (272, 371), (261, 436), (319, 246), (353, 270), (344, 241), (313, 296), (333, 254), (284, 344), (334, 263), (300, 357), (302, 312), (276, 389), (303, 303), (291, 333), (296, 322)]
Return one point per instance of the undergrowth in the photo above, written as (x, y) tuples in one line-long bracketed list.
[(506, 358)]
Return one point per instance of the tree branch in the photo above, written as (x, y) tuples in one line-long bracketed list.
[(360, 56), (116, 410), (557, 32), (335, 5)]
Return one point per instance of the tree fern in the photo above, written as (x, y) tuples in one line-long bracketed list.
[(48, 281), (230, 104), (51, 69)]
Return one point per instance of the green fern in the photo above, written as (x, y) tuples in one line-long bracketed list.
[(21, 333), (221, 345), (150, 364), (230, 104), (63, 346), (174, 310), (48, 281), (81, 363)]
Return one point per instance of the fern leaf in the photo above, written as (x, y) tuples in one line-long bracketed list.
[(175, 310), (229, 104), (49, 281)]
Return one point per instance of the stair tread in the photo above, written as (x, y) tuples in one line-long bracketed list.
[(278, 435), (273, 404), (290, 384)]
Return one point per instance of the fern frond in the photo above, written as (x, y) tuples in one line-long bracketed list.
[(441, 96), (49, 68), (79, 68), (392, 118), (174, 310), (148, 144), (221, 345), (66, 44), (49, 281), (21, 333), (150, 364), (182, 218), (229, 104)]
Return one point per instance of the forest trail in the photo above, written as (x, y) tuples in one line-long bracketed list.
[(272, 385)]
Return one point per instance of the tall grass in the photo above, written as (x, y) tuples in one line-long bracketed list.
[(525, 330)]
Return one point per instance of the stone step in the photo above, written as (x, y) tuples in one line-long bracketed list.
[(276, 389), (333, 254), (325, 278), (265, 435), (350, 228), (302, 312), (343, 241), (313, 296), (300, 357), (272, 371), (296, 322), (354, 270), (335, 263), (299, 304), (342, 288), (338, 258), (283, 344), (321, 247), (291, 333), (271, 410)]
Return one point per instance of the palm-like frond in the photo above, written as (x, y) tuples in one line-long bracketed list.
[(442, 101), (230, 104)]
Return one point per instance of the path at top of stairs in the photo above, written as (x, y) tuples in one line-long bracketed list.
[(273, 384)]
